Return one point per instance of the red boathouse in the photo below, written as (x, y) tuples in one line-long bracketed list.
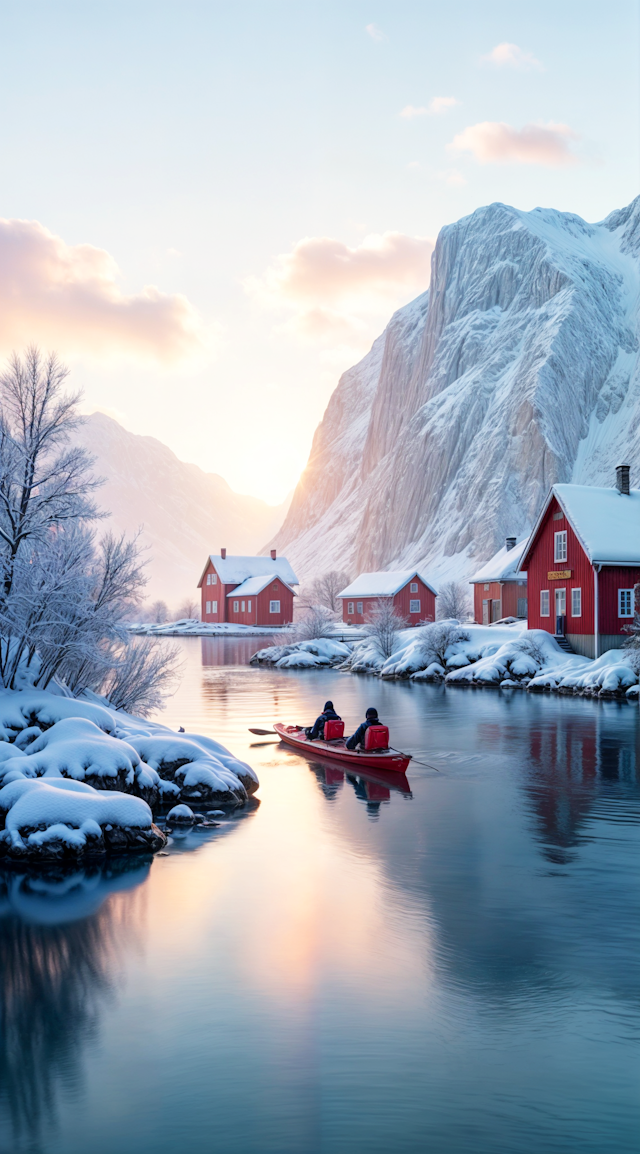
[(498, 589), (247, 590), (582, 562), (411, 593)]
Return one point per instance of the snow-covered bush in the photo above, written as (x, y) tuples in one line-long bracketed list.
[(384, 625), (454, 600), (437, 639), (317, 622)]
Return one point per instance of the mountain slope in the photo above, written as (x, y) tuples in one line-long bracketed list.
[(518, 369), (184, 512)]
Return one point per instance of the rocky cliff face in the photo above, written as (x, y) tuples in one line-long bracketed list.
[(518, 369), (184, 513)]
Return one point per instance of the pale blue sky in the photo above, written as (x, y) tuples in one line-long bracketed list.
[(197, 142)]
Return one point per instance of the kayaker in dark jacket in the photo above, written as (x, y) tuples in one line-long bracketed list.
[(328, 714), (359, 735)]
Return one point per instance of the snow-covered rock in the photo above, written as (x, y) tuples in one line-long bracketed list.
[(517, 370), (315, 654)]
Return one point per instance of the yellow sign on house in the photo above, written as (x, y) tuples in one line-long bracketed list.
[(559, 575)]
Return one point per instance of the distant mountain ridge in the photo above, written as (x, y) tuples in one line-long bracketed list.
[(517, 369), (185, 513)]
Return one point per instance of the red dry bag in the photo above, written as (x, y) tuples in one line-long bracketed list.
[(376, 737), (333, 730)]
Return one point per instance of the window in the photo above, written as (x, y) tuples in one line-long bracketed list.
[(248, 606), (275, 586), (625, 602), (350, 607), (359, 606), (576, 602), (242, 607), (274, 606), (214, 578), (413, 588), (544, 602), (208, 578), (236, 607), (560, 546), (559, 516), (414, 606), (486, 588), (214, 606), (208, 608)]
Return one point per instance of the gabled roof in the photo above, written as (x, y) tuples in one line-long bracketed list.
[(235, 570), (383, 584), (254, 585), (503, 566), (606, 522)]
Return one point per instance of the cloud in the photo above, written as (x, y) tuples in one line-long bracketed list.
[(375, 33), (494, 142), (323, 270), (436, 107), (510, 56), (341, 295), (67, 297)]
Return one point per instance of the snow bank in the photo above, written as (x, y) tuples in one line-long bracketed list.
[(79, 779), (316, 654), (191, 627)]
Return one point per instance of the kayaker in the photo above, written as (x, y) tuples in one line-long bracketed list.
[(317, 729), (371, 718)]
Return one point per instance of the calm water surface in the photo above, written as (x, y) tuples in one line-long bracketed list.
[(343, 967)]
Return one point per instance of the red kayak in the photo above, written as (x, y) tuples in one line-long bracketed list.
[(380, 759)]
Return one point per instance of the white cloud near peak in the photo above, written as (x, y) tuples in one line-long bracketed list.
[(374, 32), (511, 56), (436, 107), (494, 142), (67, 297)]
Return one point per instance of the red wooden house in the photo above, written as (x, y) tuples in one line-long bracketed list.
[(582, 562), (498, 589), (247, 590), (411, 593)]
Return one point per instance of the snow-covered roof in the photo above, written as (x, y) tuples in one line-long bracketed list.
[(235, 570), (254, 585), (383, 584), (503, 566), (606, 522)]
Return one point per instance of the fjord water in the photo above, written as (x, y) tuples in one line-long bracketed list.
[(345, 967)]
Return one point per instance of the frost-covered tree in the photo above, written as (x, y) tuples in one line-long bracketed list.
[(317, 622), (63, 595), (384, 625), (189, 609), (454, 600), (437, 638), (324, 590), (143, 674), (159, 612)]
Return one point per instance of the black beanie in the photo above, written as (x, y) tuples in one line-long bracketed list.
[(328, 705), (372, 712)]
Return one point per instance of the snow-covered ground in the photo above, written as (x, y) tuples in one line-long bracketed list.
[(79, 779), (509, 655), (191, 627)]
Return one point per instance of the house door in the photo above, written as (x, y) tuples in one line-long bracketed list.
[(495, 610), (485, 612), (561, 612)]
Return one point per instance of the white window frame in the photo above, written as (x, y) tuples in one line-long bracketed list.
[(274, 606), (242, 609), (236, 607), (208, 607), (560, 545), (486, 587), (544, 603), (414, 606), (413, 588), (359, 606), (208, 578), (350, 609), (214, 578), (248, 606), (576, 602), (625, 595), (214, 606)]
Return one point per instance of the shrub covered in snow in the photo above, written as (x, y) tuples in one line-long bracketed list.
[(314, 654)]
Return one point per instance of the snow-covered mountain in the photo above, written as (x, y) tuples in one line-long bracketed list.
[(517, 369), (184, 512)]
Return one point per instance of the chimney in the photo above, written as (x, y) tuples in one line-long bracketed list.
[(273, 552), (223, 553), (510, 543), (622, 479)]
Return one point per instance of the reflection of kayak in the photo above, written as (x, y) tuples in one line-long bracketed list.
[(383, 759)]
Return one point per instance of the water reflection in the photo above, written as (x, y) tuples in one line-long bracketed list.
[(61, 936)]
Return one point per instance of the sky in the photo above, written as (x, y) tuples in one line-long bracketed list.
[(210, 210)]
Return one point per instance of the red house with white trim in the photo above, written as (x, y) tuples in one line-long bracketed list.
[(582, 562), (411, 593), (247, 590), (499, 590)]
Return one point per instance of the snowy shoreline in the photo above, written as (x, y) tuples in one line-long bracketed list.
[(80, 780), (476, 656)]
